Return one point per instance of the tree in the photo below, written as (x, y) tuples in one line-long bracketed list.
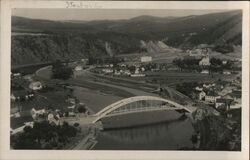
[(81, 109), (61, 71), (43, 135)]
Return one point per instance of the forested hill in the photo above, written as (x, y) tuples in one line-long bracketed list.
[(35, 41)]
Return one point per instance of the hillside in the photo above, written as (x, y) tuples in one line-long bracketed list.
[(35, 41)]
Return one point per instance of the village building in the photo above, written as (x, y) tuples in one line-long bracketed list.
[(84, 61), (223, 102), (199, 88), (21, 96), (205, 61), (54, 119), (200, 95), (35, 85), (224, 62), (226, 72), (211, 97), (78, 68), (37, 113), (205, 71), (107, 70), (16, 75), (145, 59), (208, 85), (236, 95), (12, 97), (195, 53), (28, 77)]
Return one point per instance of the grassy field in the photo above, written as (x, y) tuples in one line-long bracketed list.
[(173, 77)]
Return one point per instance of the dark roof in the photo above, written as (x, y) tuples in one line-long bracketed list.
[(223, 100), (236, 93), (212, 93)]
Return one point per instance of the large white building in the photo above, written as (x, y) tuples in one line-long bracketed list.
[(146, 59)]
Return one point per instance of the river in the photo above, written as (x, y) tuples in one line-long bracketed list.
[(172, 135), (163, 134), (166, 135)]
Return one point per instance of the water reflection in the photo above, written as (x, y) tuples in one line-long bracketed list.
[(162, 136)]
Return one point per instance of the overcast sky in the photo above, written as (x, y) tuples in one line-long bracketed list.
[(102, 14)]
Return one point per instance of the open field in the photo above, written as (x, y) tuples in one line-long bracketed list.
[(170, 78)]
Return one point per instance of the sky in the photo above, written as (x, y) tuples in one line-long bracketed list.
[(103, 14)]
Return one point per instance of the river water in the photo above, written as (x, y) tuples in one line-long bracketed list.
[(168, 134), (172, 135)]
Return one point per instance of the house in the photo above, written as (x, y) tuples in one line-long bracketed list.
[(28, 77), (235, 105), (16, 75), (84, 60), (12, 97), (224, 62), (36, 113), (107, 70), (223, 102), (205, 71), (200, 94), (205, 61), (195, 52), (35, 85), (78, 68), (71, 100), (138, 75), (226, 72), (198, 88), (211, 97), (208, 85), (146, 59), (236, 95), (54, 119)]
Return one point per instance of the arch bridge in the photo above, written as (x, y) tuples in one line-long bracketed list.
[(138, 104)]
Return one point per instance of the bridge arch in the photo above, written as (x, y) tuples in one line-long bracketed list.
[(114, 106)]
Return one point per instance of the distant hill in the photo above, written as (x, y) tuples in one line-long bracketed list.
[(44, 40)]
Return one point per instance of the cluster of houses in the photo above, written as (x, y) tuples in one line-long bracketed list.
[(219, 95), (53, 117), (124, 69), (202, 52), (26, 94)]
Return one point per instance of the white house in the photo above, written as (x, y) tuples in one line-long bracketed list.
[(54, 119), (107, 70), (205, 61), (12, 97), (78, 68), (205, 71), (224, 62), (226, 72), (35, 85), (35, 113), (198, 88), (146, 59), (211, 97)]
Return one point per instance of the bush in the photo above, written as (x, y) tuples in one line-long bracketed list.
[(43, 136), (61, 71)]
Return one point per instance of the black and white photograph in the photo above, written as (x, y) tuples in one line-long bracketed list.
[(107, 79)]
